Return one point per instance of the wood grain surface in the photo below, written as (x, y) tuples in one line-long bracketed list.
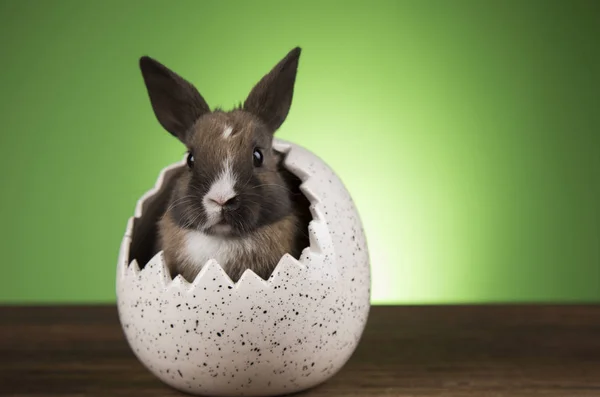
[(457, 351)]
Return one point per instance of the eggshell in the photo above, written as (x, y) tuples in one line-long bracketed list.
[(255, 337)]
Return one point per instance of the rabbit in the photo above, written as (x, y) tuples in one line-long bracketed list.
[(235, 202)]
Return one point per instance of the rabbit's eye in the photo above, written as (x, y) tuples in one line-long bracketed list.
[(190, 160), (258, 157)]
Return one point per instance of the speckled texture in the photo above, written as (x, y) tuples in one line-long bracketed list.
[(256, 337)]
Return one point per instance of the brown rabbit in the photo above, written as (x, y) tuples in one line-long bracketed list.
[(236, 203)]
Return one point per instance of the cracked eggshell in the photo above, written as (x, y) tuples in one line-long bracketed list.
[(255, 337)]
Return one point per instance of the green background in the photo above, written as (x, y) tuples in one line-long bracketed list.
[(468, 133)]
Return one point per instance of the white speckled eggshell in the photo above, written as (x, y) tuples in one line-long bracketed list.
[(256, 337)]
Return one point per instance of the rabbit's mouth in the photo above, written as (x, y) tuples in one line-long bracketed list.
[(222, 228), (227, 225)]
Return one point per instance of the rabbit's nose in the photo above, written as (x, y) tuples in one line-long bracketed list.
[(232, 204), (228, 204)]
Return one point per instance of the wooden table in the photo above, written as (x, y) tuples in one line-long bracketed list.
[(406, 351)]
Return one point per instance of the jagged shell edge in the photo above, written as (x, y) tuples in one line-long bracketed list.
[(212, 268)]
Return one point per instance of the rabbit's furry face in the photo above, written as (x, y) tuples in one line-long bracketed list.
[(235, 182)]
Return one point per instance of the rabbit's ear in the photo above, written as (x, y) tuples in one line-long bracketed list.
[(271, 97), (176, 103)]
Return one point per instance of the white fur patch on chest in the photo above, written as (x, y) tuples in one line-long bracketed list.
[(200, 247)]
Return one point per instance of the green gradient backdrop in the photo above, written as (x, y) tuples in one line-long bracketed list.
[(468, 133)]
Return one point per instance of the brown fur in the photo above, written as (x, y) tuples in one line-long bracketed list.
[(271, 216), (271, 242)]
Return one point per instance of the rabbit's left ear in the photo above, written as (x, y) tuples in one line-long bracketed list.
[(271, 98), (176, 102)]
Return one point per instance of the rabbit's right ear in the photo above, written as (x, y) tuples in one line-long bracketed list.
[(176, 103)]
